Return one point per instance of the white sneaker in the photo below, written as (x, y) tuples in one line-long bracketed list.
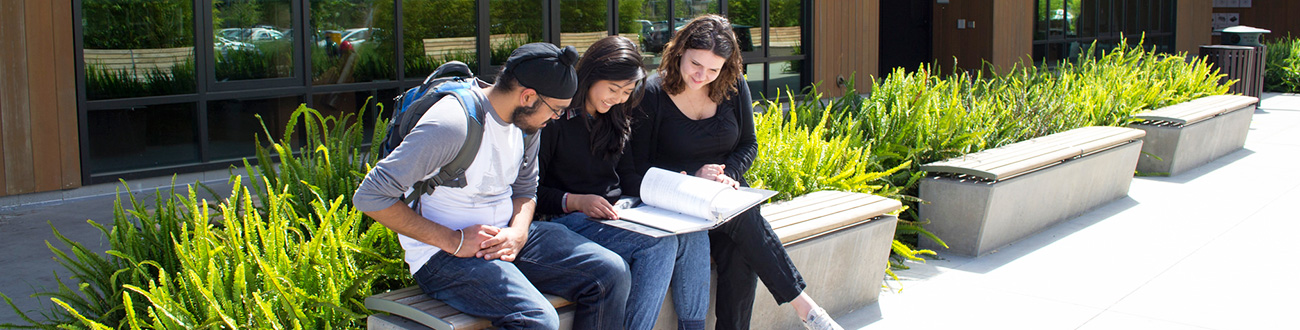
[(819, 320)]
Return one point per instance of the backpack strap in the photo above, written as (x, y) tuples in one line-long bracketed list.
[(453, 173)]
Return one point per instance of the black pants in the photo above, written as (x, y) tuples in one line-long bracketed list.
[(744, 250)]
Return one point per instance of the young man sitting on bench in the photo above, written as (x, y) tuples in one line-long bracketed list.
[(475, 247)]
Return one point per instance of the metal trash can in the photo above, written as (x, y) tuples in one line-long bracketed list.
[(1236, 63), (1242, 35)]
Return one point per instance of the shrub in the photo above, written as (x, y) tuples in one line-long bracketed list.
[(284, 251), (1282, 66)]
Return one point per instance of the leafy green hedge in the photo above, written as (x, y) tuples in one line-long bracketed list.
[(1282, 66), (286, 250)]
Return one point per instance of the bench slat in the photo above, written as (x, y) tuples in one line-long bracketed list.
[(779, 210), (1019, 163), (809, 211), (1085, 141), (1189, 111), (413, 304), (1000, 156), (1199, 109), (831, 222)]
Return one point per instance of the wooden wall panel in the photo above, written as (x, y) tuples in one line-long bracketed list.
[(66, 95), (970, 47), (1280, 16), (1013, 33), (1192, 26), (846, 38), (44, 114), (17, 116), (38, 112)]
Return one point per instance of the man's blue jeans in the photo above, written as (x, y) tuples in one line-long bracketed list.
[(555, 260), (680, 261)]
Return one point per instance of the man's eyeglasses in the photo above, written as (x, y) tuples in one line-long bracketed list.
[(558, 112)]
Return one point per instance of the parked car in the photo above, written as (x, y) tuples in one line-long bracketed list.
[(262, 35), (223, 46)]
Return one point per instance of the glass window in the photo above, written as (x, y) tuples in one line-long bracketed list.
[(352, 41), (253, 39), (785, 77), (350, 103), (142, 137), (138, 48), (1066, 28), (685, 10), (745, 16), (438, 31), (754, 77), (233, 125), (785, 28), (582, 22), (649, 21), (513, 24)]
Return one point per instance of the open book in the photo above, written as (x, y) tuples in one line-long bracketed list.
[(674, 203)]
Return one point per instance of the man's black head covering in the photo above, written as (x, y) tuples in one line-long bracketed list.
[(545, 68)]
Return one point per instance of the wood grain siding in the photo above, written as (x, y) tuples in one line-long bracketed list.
[(65, 75), (44, 127), (969, 47), (17, 110), (38, 113), (1192, 25), (1280, 16), (1013, 33), (846, 38)]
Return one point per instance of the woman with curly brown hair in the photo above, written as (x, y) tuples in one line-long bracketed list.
[(698, 118)]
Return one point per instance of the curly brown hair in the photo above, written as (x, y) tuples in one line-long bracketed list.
[(712, 33)]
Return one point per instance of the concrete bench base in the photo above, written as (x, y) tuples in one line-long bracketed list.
[(1181, 148), (977, 217), (843, 271), (391, 322)]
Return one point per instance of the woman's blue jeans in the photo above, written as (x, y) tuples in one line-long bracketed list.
[(555, 260), (680, 261)]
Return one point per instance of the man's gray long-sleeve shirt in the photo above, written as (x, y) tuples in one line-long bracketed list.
[(498, 174)]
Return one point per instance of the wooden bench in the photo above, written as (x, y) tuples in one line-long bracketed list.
[(985, 200), (443, 46), (840, 242), (139, 62), (1190, 134)]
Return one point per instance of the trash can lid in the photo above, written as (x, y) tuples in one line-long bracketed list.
[(1245, 29)]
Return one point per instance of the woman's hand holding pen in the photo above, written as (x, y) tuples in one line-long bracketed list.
[(716, 172)]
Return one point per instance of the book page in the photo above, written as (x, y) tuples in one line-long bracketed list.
[(680, 193), (730, 202)]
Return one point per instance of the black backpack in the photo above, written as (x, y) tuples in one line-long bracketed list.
[(452, 78)]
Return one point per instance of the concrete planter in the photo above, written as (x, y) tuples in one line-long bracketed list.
[(1170, 148), (976, 217)]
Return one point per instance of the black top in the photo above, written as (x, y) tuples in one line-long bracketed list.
[(567, 165), (662, 136)]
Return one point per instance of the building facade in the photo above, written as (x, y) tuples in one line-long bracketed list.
[(93, 91)]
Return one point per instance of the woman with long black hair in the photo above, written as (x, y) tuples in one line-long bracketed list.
[(579, 157)]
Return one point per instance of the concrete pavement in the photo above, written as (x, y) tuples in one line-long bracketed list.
[(1212, 248)]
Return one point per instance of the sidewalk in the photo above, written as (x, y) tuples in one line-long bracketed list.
[(1208, 249), (1212, 248)]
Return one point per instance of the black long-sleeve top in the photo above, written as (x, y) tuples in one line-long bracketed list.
[(568, 165), (662, 136)]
